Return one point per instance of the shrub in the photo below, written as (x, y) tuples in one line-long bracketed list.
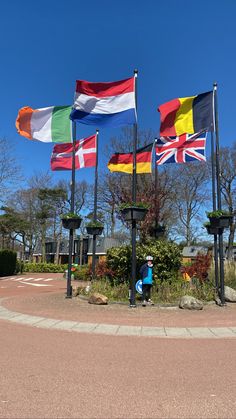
[(44, 267), (167, 257), (102, 270), (81, 273), (200, 267), (7, 262)]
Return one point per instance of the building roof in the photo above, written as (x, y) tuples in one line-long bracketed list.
[(103, 244), (193, 251)]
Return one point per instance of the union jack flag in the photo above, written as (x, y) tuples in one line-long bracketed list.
[(182, 149)]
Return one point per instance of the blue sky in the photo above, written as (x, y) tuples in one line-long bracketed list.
[(179, 48)]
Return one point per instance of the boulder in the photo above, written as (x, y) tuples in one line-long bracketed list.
[(190, 303), (97, 298), (230, 294)]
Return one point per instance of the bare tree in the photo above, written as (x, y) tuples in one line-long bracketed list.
[(10, 171), (228, 188), (189, 195)]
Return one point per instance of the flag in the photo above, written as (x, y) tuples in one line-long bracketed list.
[(105, 104), (51, 124), (123, 162), (187, 115), (182, 149), (85, 154)]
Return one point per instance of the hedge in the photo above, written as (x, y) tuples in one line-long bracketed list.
[(7, 262), (44, 267)]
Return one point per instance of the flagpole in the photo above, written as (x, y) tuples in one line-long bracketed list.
[(72, 208), (134, 193), (95, 208), (216, 129), (213, 170), (156, 188)]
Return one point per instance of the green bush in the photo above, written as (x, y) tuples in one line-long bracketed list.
[(167, 260), (44, 267), (82, 273), (7, 262)]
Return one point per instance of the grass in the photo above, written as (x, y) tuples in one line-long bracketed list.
[(164, 293)]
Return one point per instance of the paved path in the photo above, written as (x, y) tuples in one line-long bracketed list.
[(117, 330)]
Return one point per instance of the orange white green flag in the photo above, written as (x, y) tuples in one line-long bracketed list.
[(48, 125)]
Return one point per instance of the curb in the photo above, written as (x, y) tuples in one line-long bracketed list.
[(117, 330)]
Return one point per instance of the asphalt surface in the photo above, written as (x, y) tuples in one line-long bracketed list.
[(49, 373)]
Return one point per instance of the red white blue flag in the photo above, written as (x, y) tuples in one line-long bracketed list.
[(182, 149), (105, 104)]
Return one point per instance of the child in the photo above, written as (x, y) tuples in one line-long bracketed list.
[(146, 272)]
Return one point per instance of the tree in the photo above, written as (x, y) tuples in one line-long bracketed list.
[(228, 188), (10, 171), (189, 194), (117, 187)]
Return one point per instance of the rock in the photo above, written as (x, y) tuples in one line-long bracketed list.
[(190, 303), (230, 294), (97, 298)]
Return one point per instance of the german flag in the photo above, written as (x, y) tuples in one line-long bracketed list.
[(187, 115), (123, 162)]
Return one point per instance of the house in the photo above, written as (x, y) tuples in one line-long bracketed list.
[(103, 244), (190, 253), (82, 250)]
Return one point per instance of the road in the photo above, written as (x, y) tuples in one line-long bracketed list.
[(61, 374)]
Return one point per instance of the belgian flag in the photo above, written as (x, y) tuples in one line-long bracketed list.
[(123, 162), (187, 115)]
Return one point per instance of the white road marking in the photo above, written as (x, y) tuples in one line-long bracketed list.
[(49, 279), (37, 279), (20, 286), (27, 279), (18, 279), (36, 285)]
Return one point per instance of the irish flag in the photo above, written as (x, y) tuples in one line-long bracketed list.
[(48, 125)]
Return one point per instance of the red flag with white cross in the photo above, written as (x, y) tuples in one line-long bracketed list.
[(85, 154)]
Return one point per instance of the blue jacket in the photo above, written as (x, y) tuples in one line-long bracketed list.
[(146, 278)]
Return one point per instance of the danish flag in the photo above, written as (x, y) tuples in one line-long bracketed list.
[(182, 149), (85, 154)]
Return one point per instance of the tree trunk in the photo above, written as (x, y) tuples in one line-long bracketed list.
[(231, 240), (58, 245)]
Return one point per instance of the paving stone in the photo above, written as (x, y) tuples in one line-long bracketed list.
[(46, 323), (177, 332), (222, 332), (20, 318), (107, 329), (65, 325), (201, 332), (129, 330), (85, 327), (153, 331)]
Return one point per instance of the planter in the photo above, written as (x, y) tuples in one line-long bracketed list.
[(221, 222), (214, 230), (71, 223), (94, 231), (134, 213)]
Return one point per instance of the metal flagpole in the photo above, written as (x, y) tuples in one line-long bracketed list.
[(132, 290), (95, 208), (72, 208), (213, 169), (156, 188), (221, 255)]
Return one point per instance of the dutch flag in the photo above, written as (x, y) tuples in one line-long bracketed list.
[(105, 104)]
